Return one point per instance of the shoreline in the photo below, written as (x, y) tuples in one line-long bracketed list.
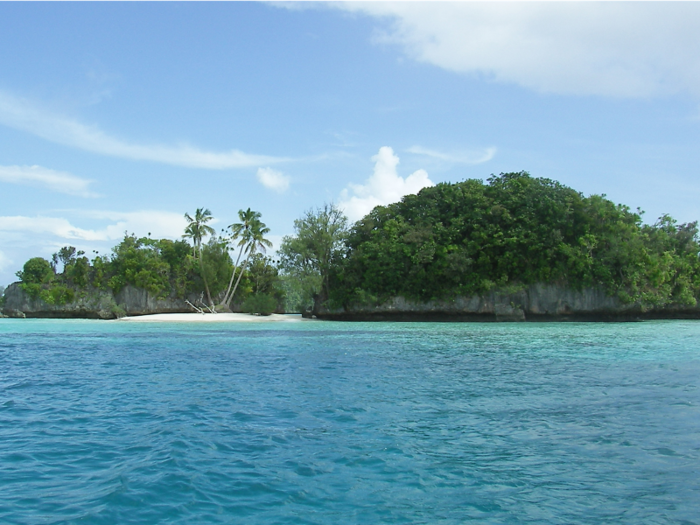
[(212, 318)]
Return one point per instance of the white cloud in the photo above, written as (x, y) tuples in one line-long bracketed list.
[(20, 114), (23, 237), (158, 223), (58, 181), (475, 157), (627, 49), (273, 179), (58, 227), (383, 187)]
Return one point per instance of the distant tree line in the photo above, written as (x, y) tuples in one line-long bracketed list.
[(167, 268), (470, 237), (448, 240)]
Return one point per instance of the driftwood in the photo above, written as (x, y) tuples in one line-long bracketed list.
[(199, 310)]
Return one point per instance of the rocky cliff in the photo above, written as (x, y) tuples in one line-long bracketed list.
[(539, 302), (93, 304)]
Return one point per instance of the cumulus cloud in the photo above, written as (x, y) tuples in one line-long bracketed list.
[(20, 114), (58, 181), (273, 179), (474, 157), (383, 187), (624, 49)]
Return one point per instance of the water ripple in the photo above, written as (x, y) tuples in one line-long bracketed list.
[(349, 423)]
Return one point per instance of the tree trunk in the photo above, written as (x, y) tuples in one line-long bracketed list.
[(227, 297), (204, 277), (243, 266)]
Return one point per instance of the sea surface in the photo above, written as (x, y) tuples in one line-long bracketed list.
[(106, 422)]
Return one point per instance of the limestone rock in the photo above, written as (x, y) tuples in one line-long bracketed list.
[(92, 303), (537, 302)]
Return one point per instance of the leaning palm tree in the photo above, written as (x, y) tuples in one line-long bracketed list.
[(196, 230), (257, 242), (240, 230)]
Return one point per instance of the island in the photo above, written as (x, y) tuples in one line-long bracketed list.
[(511, 248)]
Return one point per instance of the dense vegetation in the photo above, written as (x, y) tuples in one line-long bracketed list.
[(448, 240), (308, 257), (469, 237), (167, 268)]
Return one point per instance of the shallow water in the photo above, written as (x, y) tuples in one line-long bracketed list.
[(322, 422)]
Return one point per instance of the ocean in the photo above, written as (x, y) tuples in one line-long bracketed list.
[(358, 423)]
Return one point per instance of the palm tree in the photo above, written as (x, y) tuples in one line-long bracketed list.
[(240, 230), (196, 230), (257, 241)]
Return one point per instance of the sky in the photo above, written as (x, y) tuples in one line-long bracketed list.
[(122, 117)]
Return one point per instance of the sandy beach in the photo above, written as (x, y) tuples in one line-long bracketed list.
[(214, 318)]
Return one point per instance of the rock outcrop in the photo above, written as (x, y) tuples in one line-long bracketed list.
[(539, 302), (92, 304)]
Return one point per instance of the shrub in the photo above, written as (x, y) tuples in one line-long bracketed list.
[(36, 271), (58, 295), (260, 303)]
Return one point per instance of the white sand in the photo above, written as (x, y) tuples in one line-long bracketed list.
[(215, 318)]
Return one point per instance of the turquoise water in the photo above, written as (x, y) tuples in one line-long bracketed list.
[(321, 422)]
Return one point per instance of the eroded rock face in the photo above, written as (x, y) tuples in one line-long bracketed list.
[(539, 302), (92, 304), (137, 301)]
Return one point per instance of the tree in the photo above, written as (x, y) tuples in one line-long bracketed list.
[(65, 255), (196, 230), (217, 267), (318, 240), (36, 274), (36, 270), (258, 230), (137, 261), (260, 303), (467, 238), (243, 231)]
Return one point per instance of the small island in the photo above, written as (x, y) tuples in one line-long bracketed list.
[(513, 248)]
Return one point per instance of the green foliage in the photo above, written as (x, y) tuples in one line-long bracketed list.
[(298, 292), (58, 294), (260, 303), (196, 230), (40, 282), (469, 237), (309, 255), (138, 262), (260, 277), (117, 310), (36, 270), (160, 266), (177, 255), (101, 269), (77, 272), (217, 267), (251, 231), (263, 275), (65, 255)]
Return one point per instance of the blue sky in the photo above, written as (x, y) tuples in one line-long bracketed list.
[(121, 117)]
